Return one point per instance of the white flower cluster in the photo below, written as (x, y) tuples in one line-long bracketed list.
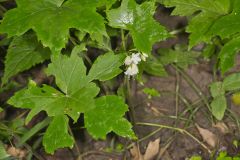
[(132, 61)]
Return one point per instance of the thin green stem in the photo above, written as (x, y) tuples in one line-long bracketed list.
[(183, 131), (88, 60), (129, 99), (177, 93), (144, 138), (195, 88), (123, 40)]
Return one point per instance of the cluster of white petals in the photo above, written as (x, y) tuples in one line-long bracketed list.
[(132, 61)]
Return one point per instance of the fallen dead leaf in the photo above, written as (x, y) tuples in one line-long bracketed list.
[(207, 136), (155, 111), (222, 127), (152, 149), (15, 152), (135, 152)]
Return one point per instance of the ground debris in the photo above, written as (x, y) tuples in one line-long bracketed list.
[(150, 153), (208, 137)]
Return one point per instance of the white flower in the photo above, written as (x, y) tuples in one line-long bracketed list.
[(132, 70), (132, 61), (144, 56), (128, 61), (136, 58)]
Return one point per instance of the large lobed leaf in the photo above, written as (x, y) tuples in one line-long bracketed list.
[(77, 96), (138, 19), (210, 19), (210, 11), (23, 53), (51, 20), (75, 99), (227, 27)]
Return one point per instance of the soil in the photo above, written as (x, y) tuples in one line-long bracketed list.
[(157, 110)]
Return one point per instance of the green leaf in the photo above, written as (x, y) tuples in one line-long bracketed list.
[(199, 26), (188, 7), (219, 103), (219, 106), (196, 158), (70, 72), (52, 22), (79, 50), (138, 19), (209, 51), (228, 54), (223, 156), (107, 116), (208, 12), (226, 26), (56, 2), (154, 67), (217, 89), (57, 135), (179, 57), (23, 53), (106, 67), (151, 92), (108, 3), (232, 82), (33, 131), (3, 153), (77, 97)]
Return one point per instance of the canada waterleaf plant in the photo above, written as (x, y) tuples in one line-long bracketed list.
[(78, 95)]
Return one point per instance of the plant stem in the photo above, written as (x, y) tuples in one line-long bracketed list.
[(76, 145), (129, 99), (123, 40), (183, 131), (128, 85), (195, 88), (144, 138), (177, 93)]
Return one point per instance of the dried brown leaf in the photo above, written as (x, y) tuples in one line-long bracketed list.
[(152, 149), (222, 127), (15, 152), (135, 153), (207, 136)]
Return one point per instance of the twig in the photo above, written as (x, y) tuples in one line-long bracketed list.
[(144, 138), (183, 131)]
